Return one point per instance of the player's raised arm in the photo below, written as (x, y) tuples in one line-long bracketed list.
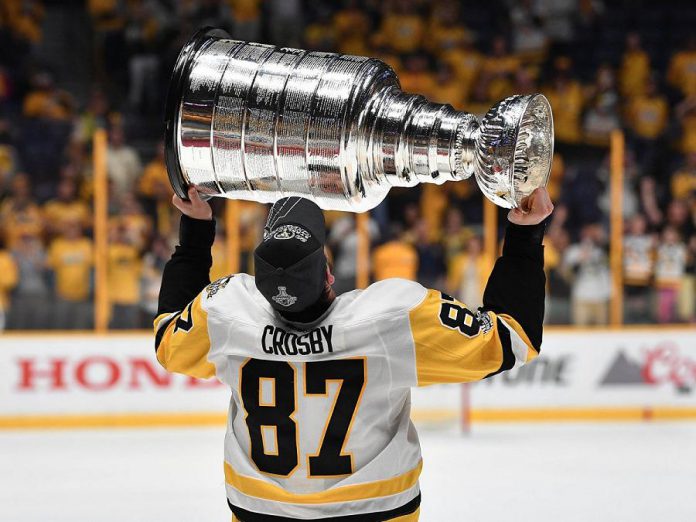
[(181, 330), (455, 344)]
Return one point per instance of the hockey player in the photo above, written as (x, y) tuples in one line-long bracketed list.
[(318, 425)]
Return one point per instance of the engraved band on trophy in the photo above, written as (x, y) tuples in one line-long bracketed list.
[(258, 122)]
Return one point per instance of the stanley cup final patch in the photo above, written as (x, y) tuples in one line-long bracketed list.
[(290, 232), (283, 298)]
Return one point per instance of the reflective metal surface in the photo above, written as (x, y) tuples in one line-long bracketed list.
[(253, 121)]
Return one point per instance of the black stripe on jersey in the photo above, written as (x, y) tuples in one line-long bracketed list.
[(163, 328), (506, 345), (247, 516)]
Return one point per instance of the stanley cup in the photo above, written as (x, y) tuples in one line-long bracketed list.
[(258, 122)]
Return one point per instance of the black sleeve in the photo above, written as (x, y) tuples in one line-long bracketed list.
[(517, 284), (187, 273)]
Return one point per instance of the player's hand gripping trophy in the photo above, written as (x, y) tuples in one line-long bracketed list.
[(258, 122)]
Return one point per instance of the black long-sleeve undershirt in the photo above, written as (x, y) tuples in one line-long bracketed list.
[(187, 273), (517, 284)]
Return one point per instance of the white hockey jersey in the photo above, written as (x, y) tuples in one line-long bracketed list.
[(319, 421)]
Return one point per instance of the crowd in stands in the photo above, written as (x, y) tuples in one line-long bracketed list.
[(604, 65)]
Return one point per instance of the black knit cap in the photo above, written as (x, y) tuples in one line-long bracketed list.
[(290, 261)]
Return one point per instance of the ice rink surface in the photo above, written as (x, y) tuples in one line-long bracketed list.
[(538, 473)]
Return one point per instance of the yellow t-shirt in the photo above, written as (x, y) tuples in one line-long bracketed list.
[(418, 83), (466, 64), (433, 204), (15, 222), (683, 183), (351, 27), (401, 32), (57, 213), (682, 72), (395, 259), (556, 177), (634, 73), (8, 277), (457, 271), (245, 10), (688, 140), (71, 261), (442, 37), (125, 270), (39, 104), (567, 104), (137, 226), (155, 180), (500, 69), (649, 116), (449, 92)]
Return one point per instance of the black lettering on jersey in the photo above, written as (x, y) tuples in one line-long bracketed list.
[(457, 317), (267, 344), (279, 415), (277, 341), (329, 459), (185, 320)]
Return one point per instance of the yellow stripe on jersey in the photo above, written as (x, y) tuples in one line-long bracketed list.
[(185, 344), (453, 344), (257, 488)]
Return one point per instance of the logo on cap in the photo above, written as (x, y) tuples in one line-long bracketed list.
[(283, 298), (290, 232)]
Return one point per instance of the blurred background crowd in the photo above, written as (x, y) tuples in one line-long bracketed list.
[(70, 67)]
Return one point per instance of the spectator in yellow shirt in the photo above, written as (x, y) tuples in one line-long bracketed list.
[(19, 214), (8, 280), (352, 27), (416, 77), (466, 62), (446, 88), (455, 235), (321, 34), (685, 112), (155, 188), (648, 113), (567, 101), (45, 101), (468, 272), (683, 183), (635, 68), (124, 274), (246, 15), (65, 207), (682, 69), (402, 27), (136, 224), (497, 72), (395, 258), (71, 258), (445, 28)]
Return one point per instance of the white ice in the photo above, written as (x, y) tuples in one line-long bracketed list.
[(537, 473)]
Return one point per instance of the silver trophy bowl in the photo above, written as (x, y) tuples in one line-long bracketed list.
[(258, 122)]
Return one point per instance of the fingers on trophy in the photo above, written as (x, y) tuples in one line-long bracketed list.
[(258, 122)]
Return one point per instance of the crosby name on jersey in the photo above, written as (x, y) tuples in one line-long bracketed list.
[(318, 423)]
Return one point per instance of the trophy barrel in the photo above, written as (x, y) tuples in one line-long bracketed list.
[(258, 122)]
